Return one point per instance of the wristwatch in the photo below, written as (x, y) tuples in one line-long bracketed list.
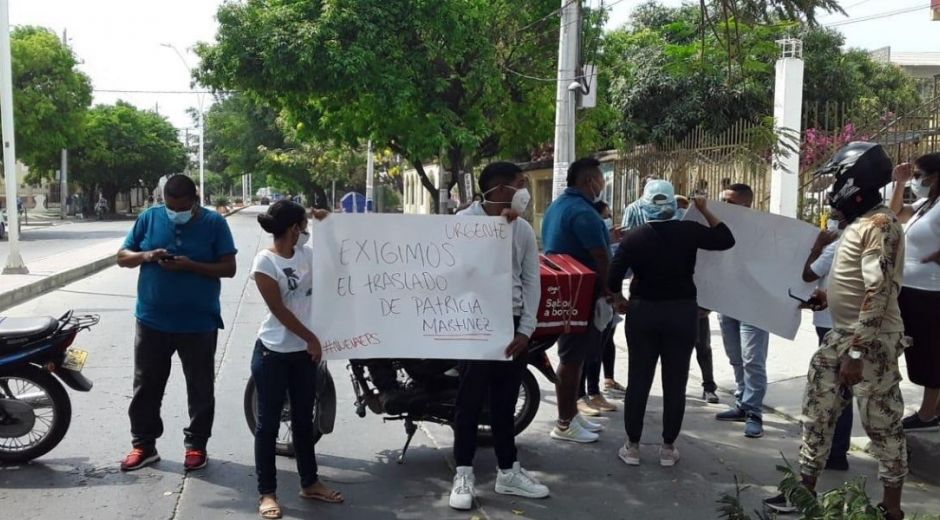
[(855, 354)]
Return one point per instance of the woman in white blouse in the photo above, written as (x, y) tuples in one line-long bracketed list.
[(920, 293)]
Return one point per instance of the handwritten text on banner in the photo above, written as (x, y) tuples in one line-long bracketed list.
[(410, 286)]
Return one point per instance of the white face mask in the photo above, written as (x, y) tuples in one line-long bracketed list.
[(520, 199), (832, 225), (920, 190), (302, 239), (599, 196)]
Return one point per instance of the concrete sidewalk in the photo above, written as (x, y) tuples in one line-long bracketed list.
[(787, 366)]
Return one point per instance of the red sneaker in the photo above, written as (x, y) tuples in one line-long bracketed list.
[(139, 458), (195, 459)]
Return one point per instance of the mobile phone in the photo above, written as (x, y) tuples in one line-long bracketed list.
[(813, 301)]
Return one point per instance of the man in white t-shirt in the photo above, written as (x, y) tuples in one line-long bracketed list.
[(503, 187), (816, 269)]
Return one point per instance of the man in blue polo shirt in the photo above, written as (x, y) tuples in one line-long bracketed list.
[(183, 250), (573, 227)]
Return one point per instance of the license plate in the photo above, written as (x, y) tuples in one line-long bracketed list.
[(74, 359)]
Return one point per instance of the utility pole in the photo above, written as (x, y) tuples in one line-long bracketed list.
[(370, 176), (566, 94), (202, 126), (14, 263), (64, 186)]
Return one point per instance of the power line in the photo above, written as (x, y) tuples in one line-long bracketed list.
[(546, 17), (116, 91), (877, 16)]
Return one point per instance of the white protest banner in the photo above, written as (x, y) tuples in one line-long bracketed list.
[(751, 282), (412, 286)]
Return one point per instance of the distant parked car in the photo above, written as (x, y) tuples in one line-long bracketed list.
[(265, 201)]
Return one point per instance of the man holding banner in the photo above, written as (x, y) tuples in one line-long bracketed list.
[(504, 187), (746, 347)]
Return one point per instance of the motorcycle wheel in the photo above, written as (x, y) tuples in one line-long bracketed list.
[(527, 405), (34, 388), (284, 445)]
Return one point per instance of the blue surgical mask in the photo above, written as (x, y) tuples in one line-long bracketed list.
[(179, 217), (680, 213), (609, 222)]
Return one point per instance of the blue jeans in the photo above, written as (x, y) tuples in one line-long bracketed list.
[(746, 347), (277, 376)]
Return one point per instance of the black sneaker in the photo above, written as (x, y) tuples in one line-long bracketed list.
[(913, 423), (733, 415), (884, 512), (780, 504)]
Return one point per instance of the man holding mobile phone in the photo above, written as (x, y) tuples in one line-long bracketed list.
[(183, 250)]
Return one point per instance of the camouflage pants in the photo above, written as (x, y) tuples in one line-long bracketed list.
[(880, 405)]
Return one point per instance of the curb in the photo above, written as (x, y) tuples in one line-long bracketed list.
[(54, 281), (62, 278), (923, 456)]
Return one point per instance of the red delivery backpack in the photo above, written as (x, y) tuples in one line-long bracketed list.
[(567, 302)]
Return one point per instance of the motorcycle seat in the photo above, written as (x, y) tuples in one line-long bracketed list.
[(17, 331)]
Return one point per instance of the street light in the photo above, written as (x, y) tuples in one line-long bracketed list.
[(202, 129)]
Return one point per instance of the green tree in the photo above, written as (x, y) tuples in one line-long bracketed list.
[(237, 130), (671, 71), (305, 167), (50, 98), (124, 148), (427, 79)]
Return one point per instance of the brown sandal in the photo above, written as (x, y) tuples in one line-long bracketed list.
[(327, 495), (270, 512)]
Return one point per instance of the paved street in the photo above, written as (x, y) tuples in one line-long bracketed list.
[(80, 479), (44, 241)]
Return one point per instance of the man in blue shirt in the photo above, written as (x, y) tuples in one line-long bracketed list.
[(572, 226), (183, 250)]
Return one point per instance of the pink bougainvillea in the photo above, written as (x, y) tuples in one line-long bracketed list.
[(819, 144)]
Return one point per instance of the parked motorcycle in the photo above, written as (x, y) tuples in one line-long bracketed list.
[(35, 410), (426, 391)]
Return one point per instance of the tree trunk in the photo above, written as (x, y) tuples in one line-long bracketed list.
[(458, 168), (110, 195), (317, 198), (428, 185)]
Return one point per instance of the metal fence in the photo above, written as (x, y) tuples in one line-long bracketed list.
[(707, 163)]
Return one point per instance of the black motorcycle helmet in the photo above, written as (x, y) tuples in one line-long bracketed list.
[(860, 170)]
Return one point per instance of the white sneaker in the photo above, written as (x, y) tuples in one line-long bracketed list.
[(588, 424), (519, 482), (630, 454), (574, 433), (461, 496), (668, 457)]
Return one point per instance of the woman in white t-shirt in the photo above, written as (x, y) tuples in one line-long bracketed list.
[(286, 354), (920, 292)]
